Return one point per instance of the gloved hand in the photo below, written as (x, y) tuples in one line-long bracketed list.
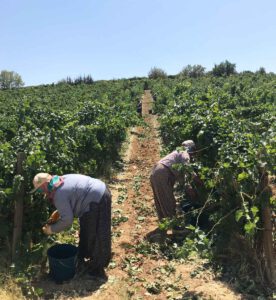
[(47, 229), (191, 193), (197, 180), (53, 218)]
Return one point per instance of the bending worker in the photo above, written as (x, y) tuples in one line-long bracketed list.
[(89, 199), (163, 178)]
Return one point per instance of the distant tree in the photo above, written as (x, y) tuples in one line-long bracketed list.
[(194, 71), (10, 79), (69, 80), (261, 71), (155, 73), (247, 72), (81, 79), (224, 69)]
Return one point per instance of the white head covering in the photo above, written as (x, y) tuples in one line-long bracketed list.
[(39, 180), (189, 145)]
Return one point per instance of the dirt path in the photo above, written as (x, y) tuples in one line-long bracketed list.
[(137, 270)]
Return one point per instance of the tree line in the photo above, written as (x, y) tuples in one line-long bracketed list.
[(223, 69), (87, 79), (11, 79)]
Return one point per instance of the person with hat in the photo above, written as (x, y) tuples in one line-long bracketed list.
[(89, 199), (162, 179)]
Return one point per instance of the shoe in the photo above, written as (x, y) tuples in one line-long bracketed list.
[(179, 234), (157, 236), (81, 268), (98, 274)]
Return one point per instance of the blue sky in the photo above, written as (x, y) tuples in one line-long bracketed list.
[(45, 41)]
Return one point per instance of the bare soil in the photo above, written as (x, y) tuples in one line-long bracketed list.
[(133, 274)]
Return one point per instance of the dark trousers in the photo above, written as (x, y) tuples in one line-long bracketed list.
[(162, 182), (95, 233)]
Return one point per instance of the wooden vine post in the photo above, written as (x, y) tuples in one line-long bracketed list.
[(18, 209), (268, 247)]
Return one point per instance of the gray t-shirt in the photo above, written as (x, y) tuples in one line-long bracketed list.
[(72, 199)]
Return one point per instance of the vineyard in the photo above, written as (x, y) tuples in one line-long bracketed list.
[(60, 129), (233, 123), (82, 128)]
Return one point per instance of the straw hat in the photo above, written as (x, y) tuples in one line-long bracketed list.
[(40, 179)]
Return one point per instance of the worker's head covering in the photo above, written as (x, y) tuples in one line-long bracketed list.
[(39, 180), (189, 146), (47, 184)]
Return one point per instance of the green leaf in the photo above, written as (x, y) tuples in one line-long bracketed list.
[(39, 291), (241, 164), (272, 200), (191, 227), (254, 210), (249, 228), (243, 176), (239, 214)]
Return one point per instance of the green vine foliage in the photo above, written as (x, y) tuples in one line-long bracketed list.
[(232, 121), (61, 129)]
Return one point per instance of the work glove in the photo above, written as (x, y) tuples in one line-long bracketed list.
[(191, 193), (53, 218), (198, 182), (47, 229)]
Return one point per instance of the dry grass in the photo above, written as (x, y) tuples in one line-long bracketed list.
[(11, 291)]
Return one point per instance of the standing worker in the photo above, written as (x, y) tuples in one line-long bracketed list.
[(163, 178), (139, 108), (89, 199)]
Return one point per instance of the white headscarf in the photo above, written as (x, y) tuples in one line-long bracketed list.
[(189, 145)]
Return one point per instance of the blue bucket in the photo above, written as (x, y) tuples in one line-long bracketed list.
[(62, 262)]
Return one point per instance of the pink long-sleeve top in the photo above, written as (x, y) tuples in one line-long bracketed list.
[(175, 157)]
